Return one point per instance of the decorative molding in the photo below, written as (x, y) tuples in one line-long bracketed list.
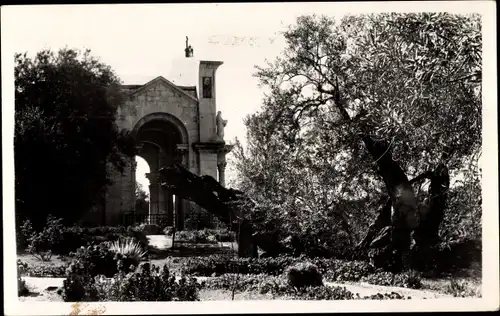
[(182, 147), (212, 63), (166, 117), (168, 83), (209, 146)]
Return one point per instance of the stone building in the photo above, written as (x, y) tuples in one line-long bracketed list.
[(171, 123)]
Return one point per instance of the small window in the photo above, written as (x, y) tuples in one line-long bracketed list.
[(207, 87)]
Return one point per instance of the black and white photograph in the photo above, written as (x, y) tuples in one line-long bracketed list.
[(250, 157)]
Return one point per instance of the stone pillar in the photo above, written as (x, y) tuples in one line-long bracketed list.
[(222, 163), (169, 206), (162, 195), (134, 180), (153, 196), (179, 209), (182, 157), (221, 166)]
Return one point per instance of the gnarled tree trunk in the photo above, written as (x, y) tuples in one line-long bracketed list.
[(404, 216), (426, 233)]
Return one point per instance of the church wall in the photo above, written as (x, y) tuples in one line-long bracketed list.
[(198, 118), (120, 197)]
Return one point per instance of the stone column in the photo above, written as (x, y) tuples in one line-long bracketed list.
[(169, 202), (179, 209), (221, 166), (153, 196), (222, 163), (182, 157)]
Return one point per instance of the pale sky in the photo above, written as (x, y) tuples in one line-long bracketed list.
[(140, 42)]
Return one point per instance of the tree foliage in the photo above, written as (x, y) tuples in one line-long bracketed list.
[(65, 133), (141, 200), (411, 81)]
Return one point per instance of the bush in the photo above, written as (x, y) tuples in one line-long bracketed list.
[(335, 270), (460, 289), (277, 286), (41, 244), (343, 271), (220, 264), (148, 284), (385, 296), (23, 234), (75, 237), (78, 288), (130, 250), (194, 236), (408, 279), (169, 230), (22, 289), (239, 283), (324, 293), (202, 236), (223, 235), (42, 271), (149, 229), (55, 238), (88, 263), (303, 275), (94, 260)]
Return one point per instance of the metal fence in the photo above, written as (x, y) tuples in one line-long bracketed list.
[(152, 219)]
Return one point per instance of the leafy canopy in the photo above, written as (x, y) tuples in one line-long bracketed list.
[(65, 132), (412, 80)]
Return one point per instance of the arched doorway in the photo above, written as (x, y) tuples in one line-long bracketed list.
[(162, 141)]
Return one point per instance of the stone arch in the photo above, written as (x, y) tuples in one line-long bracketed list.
[(164, 132), (164, 117)]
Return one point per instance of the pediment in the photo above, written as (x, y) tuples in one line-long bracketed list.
[(165, 82)]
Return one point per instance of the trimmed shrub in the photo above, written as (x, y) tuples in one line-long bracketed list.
[(304, 274), (335, 270), (408, 279), (220, 264), (343, 271), (202, 236), (194, 236), (42, 270)]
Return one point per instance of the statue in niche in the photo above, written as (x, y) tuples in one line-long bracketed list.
[(221, 124)]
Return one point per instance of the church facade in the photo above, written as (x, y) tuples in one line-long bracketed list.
[(170, 123)]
